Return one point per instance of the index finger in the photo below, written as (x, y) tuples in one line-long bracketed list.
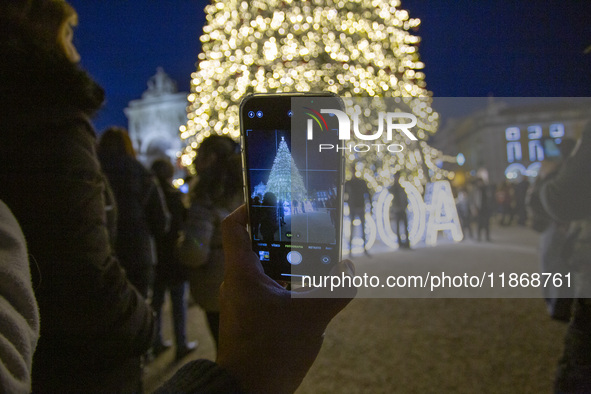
[(239, 258), (235, 238), (238, 253)]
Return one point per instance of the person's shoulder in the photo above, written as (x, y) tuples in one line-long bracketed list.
[(134, 168), (140, 168)]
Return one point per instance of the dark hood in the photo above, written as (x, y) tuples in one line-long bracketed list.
[(39, 84)]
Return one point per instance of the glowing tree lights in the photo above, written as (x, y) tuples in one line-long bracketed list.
[(354, 48), (285, 181)]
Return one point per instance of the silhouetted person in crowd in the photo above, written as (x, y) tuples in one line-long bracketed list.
[(504, 197), (482, 208), (94, 324), (295, 207), (269, 221), (566, 197), (170, 274), (521, 189), (141, 210), (357, 194), (281, 212), (554, 252), (464, 212), (333, 206), (399, 205), (255, 217), (217, 192)]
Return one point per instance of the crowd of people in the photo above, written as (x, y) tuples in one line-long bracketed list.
[(480, 204), (82, 225)]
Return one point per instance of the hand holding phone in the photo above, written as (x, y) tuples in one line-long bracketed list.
[(268, 340)]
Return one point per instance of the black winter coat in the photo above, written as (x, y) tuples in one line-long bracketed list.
[(141, 215), (169, 269), (94, 324)]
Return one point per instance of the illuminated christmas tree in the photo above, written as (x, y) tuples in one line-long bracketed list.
[(285, 180), (354, 48)]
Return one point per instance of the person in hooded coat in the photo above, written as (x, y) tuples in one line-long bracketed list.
[(94, 324)]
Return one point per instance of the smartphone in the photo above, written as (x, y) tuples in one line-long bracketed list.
[(293, 166)]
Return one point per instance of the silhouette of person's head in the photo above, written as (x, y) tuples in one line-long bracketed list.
[(163, 169), (219, 169), (269, 199), (45, 23), (214, 151), (116, 142)]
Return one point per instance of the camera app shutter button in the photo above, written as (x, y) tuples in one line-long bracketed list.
[(294, 258)]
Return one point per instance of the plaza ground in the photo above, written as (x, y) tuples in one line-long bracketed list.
[(427, 345)]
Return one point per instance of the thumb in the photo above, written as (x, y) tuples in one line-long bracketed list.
[(337, 284), (323, 303)]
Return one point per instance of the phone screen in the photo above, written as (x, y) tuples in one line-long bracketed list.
[(293, 183)]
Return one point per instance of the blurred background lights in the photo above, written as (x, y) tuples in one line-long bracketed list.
[(460, 159), (354, 48)]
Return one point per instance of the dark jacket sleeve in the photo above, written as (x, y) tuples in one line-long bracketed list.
[(58, 195), (157, 213), (567, 196), (201, 376)]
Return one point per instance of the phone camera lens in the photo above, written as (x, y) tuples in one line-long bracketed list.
[(259, 114), (251, 114)]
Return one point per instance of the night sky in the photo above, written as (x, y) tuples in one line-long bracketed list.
[(470, 48)]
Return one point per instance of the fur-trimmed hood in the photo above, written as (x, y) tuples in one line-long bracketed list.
[(40, 84)]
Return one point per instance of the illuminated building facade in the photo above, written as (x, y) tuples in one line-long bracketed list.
[(154, 120), (511, 137)]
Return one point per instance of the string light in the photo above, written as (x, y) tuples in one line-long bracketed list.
[(354, 48)]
